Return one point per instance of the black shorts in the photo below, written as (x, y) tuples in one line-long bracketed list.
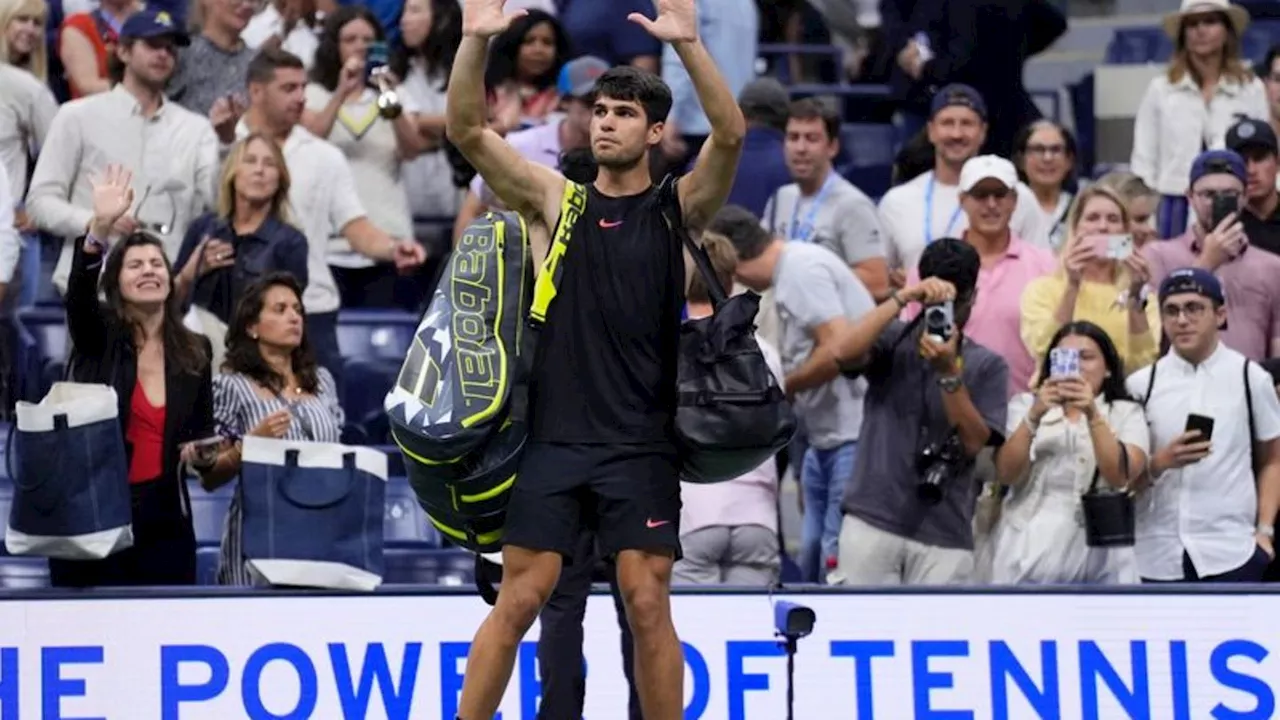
[(629, 495)]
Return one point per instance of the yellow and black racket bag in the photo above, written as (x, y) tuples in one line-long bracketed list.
[(449, 408), (457, 411)]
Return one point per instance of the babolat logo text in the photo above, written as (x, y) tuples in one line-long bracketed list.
[(474, 296)]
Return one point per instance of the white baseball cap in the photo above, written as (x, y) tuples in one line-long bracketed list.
[(983, 167)]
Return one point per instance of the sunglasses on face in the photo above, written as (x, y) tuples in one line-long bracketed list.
[(982, 194)]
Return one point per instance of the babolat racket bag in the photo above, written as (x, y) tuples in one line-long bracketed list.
[(449, 408)]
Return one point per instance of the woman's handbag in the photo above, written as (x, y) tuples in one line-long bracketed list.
[(1109, 513), (71, 497), (312, 513)]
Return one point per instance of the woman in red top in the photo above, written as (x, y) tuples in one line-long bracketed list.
[(136, 343), (87, 40)]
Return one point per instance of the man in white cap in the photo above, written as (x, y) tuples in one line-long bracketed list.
[(988, 194)]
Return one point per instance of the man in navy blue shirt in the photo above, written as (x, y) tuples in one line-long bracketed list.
[(763, 167)]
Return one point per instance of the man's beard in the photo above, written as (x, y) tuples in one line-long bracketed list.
[(622, 164)]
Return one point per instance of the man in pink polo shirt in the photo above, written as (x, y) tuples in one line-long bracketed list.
[(988, 196), (1250, 277)]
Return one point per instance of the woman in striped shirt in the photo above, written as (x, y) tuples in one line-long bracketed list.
[(270, 386)]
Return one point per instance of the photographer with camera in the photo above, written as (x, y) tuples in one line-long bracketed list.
[(935, 399)]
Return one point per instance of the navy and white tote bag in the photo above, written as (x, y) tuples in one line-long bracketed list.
[(71, 496), (312, 513)]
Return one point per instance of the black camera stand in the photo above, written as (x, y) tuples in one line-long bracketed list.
[(790, 643)]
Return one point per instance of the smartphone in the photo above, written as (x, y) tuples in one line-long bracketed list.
[(1202, 424), (1117, 247), (377, 56), (1064, 362), (940, 321), (207, 448), (1223, 205)]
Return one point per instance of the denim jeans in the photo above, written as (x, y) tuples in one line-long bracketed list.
[(823, 477)]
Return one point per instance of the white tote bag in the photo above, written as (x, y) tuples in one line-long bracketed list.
[(71, 495)]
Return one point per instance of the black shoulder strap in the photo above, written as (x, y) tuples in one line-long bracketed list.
[(669, 202), (1151, 383), (1248, 403)]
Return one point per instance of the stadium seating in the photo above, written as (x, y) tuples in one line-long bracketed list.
[(43, 346), (868, 150)]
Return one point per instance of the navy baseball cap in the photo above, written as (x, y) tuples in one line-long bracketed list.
[(1252, 133), (1218, 162), (1193, 280), (958, 95), (151, 23), (578, 76)]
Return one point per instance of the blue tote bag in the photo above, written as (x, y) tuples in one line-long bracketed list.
[(71, 496), (312, 513)]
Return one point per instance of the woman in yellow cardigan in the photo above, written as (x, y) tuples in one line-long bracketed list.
[(1109, 292)]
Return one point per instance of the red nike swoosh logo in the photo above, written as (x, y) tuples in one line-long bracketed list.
[(651, 524), (606, 224)]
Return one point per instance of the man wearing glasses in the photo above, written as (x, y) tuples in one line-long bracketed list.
[(1202, 513), (1216, 242)]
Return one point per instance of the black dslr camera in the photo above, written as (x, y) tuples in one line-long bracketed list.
[(937, 464)]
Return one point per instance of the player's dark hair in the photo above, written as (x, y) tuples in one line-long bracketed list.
[(631, 84), (742, 228)]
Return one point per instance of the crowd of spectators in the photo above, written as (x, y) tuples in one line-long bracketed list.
[(247, 141)]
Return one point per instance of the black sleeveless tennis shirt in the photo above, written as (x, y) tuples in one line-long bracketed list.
[(605, 367)]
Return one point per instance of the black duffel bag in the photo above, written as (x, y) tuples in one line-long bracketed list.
[(731, 413)]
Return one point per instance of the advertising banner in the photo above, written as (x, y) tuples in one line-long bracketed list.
[(871, 656)]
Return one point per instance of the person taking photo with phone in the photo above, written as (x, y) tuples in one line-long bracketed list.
[(1102, 280), (1216, 242), (935, 399), (1076, 431), (1211, 490)]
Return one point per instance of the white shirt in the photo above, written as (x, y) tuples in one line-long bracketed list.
[(368, 141), (428, 177), (10, 243), (322, 201), (1208, 508), (27, 108), (1174, 124), (174, 153), (301, 40), (902, 217)]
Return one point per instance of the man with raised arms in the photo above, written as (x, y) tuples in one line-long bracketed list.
[(603, 392)]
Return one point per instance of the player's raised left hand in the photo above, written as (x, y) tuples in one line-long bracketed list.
[(677, 21)]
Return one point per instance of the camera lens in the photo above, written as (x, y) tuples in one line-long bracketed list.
[(930, 493)]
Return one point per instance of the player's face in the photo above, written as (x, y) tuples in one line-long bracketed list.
[(620, 133)]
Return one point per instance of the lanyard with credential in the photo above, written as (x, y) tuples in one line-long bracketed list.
[(928, 214), (810, 216)]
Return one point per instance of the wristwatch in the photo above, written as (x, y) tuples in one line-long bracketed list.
[(1267, 529), (951, 383)]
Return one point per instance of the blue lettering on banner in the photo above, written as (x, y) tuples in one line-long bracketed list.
[(1136, 701), (739, 681), (863, 652), (173, 693), (1178, 679), (9, 690), (451, 653), (55, 686), (925, 681), (530, 682), (701, 695), (1248, 684), (1042, 696), (397, 697), (308, 685)]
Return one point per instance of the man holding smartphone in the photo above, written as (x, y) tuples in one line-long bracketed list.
[(1214, 420), (1216, 242)]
